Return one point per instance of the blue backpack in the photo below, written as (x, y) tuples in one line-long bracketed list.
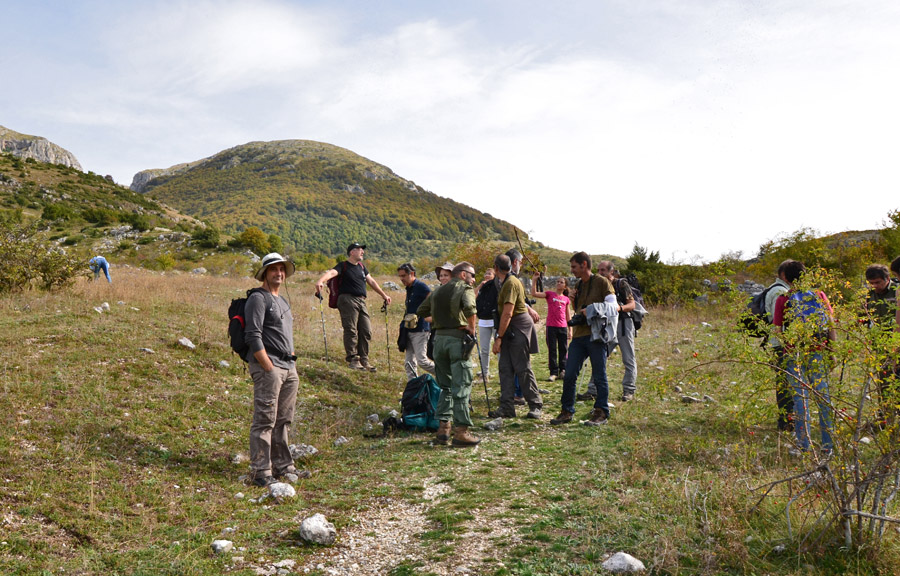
[(807, 307), (419, 404)]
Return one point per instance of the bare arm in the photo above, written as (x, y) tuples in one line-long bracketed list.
[(320, 283), (535, 293)]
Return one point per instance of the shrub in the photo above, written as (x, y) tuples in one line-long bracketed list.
[(208, 237), (29, 261), (256, 240), (57, 212)]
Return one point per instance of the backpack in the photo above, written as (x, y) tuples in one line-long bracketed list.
[(334, 286), (807, 307), (486, 301), (755, 318), (236, 324), (632, 281), (419, 404)]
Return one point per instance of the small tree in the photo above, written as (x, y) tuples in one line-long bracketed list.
[(256, 240)]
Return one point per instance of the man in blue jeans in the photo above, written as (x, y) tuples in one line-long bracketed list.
[(589, 289)]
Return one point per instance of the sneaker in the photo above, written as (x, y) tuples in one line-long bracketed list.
[(552, 378), (263, 481), (597, 417), (534, 414), (628, 397), (291, 474), (586, 396), (563, 418), (519, 400)]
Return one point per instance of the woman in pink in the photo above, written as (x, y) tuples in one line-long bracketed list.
[(558, 331)]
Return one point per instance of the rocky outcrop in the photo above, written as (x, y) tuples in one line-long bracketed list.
[(37, 148), (142, 179)]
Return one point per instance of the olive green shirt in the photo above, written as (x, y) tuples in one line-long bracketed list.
[(449, 305), (596, 289), (512, 291)]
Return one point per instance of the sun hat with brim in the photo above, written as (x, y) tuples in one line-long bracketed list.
[(448, 266), (274, 258)]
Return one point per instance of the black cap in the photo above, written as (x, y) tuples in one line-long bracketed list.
[(355, 245)]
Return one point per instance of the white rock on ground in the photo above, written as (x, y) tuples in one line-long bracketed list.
[(622, 563), (318, 529), (340, 441), (224, 364), (302, 451), (494, 424), (222, 546), (280, 490), (105, 306), (186, 343)]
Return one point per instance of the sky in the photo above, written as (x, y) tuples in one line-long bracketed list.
[(694, 128)]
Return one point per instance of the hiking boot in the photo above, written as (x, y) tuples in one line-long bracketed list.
[(356, 365), (628, 397), (462, 437), (563, 418), (552, 378), (534, 414), (498, 413), (443, 433), (291, 474), (586, 396), (263, 481), (519, 400), (368, 367), (543, 391), (597, 417)]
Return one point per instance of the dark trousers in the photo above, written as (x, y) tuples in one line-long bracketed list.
[(557, 347), (784, 393), (580, 349)]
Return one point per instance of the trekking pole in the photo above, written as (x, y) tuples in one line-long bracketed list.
[(387, 336), (324, 334), (484, 379)]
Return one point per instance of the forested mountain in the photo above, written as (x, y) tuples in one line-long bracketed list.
[(319, 198)]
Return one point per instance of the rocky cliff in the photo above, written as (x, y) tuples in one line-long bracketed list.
[(40, 149)]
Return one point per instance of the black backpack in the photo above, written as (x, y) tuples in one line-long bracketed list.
[(486, 301), (632, 282), (754, 319), (236, 324), (419, 403)]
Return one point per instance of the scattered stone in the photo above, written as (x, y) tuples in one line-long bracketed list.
[(679, 389), (98, 310), (865, 440), (621, 563), (289, 564), (281, 490), (318, 530), (393, 414), (224, 364), (708, 398), (778, 549), (105, 306), (390, 286), (494, 424), (302, 451), (240, 458), (147, 350), (340, 441), (691, 400), (222, 546), (200, 270), (373, 418), (676, 350), (121, 302), (239, 496), (706, 324), (187, 343)]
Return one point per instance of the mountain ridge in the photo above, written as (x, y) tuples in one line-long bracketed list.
[(37, 148)]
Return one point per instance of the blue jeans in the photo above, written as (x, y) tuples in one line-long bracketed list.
[(579, 349), (807, 371)]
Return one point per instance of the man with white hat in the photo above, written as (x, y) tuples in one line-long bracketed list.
[(268, 332)]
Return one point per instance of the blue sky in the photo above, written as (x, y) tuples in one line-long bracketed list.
[(692, 128)]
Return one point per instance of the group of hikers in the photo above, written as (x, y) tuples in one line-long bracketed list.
[(441, 329), (801, 360)]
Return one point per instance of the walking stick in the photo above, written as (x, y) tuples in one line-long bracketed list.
[(387, 336), (324, 334), (484, 379)]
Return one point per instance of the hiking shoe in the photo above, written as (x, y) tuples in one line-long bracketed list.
[(462, 438), (263, 481), (443, 433), (291, 474), (534, 414), (552, 378), (519, 400), (586, 396), (597, 417), (355, 365), (628, 397), (563, 418), (500, 414), (368, 367), (543, 391)]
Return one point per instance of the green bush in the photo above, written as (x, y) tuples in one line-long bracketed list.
[(100, 216), (31, 262), (208, 237), (57, 212)]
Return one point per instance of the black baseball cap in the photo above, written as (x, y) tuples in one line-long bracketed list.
[(355, 245)]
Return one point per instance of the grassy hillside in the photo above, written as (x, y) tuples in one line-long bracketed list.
[(319, 198), (117, 460)]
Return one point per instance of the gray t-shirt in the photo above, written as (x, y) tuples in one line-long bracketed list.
[(780, 287), (270, 325)]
